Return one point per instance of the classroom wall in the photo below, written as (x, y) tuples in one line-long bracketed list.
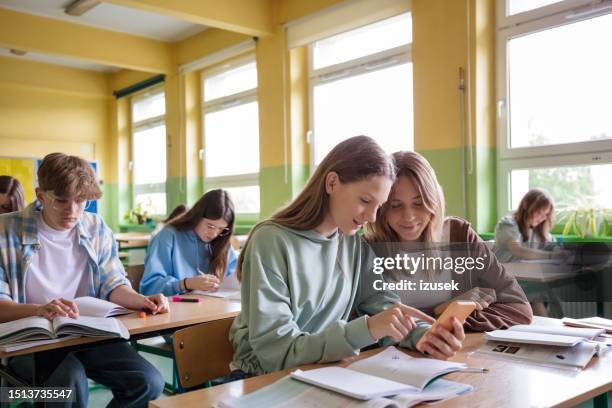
[(47, 108), (447, 35)]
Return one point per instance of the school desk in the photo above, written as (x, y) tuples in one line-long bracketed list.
[(179, 316), (507, 384), (544, 277), (133, 240)]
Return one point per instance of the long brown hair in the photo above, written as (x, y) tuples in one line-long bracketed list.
[(14, 191), (532, 202), (213, 205), (418, 169), (354, 159)]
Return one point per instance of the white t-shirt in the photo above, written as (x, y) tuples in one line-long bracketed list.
[(59, 268)]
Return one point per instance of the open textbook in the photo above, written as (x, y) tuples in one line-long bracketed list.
[(290, 393), (33, 331), (229, 288), (562, 336), (389, 372)]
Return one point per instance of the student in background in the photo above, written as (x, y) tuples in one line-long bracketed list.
[(305, 271), (523, 233), (192, 252), (12, 197), (414, 213), (53, 252), (178, 211)]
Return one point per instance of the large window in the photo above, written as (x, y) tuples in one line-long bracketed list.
[(231, 133), (361, 84), (149, 151), (554, 87)]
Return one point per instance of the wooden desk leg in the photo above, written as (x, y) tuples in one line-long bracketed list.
[(601, 401)]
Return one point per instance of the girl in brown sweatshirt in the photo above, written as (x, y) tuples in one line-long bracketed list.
[(437, 260)]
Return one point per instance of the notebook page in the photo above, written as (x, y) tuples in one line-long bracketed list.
[(560, 330), (394, 365), (91, 306)]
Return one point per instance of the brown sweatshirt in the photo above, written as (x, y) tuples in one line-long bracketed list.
[(511, 307)]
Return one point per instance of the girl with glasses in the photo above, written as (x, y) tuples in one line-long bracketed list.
[(192, 252)]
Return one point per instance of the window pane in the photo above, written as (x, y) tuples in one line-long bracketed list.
[(519, 6), (377, 104), (363, 41), (149, 153), (232, 141), (560, 84), (245, 199), (230, 82), (153, 203), (150, 107), (585, 186)]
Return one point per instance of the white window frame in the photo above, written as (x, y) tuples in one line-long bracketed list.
[(569, 154), (222, 103), (369, 63), (139, 127)]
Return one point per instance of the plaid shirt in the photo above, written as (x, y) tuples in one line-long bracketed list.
[(19, 242)]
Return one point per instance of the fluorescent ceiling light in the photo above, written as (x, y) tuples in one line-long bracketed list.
[(79, 7)]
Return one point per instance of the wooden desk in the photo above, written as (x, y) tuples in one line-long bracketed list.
[(507, 384), (133, 240), (180, 315)]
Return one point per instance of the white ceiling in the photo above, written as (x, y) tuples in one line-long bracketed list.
[(67, 62), (111, 17)]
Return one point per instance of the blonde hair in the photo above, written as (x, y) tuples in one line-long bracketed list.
[(354, 159), (68, 177), (418, 169)]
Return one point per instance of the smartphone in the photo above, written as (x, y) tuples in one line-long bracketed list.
[(460, 309)]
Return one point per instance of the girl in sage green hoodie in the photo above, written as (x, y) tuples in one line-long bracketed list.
[(305, 273)]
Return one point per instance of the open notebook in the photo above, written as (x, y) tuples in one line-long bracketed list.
[(289, 393), (229, 288), (389, 372), (590, 322), (545, 335)]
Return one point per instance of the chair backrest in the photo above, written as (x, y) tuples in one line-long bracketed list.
[(203, 352), (134, 275)]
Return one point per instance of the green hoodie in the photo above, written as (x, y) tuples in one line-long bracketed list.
[(299, 290)]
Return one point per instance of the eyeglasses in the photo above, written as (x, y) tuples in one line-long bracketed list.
[(60, 203), (221, 232)]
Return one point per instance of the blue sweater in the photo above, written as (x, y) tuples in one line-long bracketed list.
[(174, 255)]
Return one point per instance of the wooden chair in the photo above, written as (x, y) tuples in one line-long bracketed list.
[(203, 352), (134, 275)]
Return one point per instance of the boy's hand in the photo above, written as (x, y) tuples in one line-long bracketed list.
[(58, 307), (155, 303)]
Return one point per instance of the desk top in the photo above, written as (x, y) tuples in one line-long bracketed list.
[(133, 236), (180, 315), (507, 384)]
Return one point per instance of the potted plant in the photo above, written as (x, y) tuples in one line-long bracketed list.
[(585, 222), (138, 215)]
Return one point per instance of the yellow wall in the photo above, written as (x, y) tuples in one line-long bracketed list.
[(46, 108)]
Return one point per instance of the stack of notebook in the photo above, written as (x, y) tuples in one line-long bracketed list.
[(554, 344)]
